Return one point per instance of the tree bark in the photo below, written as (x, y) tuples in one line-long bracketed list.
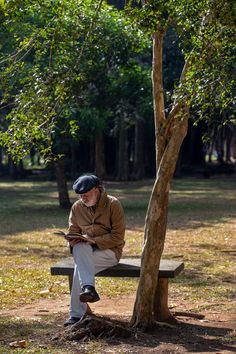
[(64, 200), (155, 230), (161, 309), (169, 134), (158, 95)]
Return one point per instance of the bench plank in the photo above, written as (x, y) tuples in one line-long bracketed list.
[(130, 267), (127, 267)]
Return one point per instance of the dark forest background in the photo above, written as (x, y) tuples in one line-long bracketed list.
[(116, 128)]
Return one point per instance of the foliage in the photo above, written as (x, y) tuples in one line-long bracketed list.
[(60, 69), (206, 30)]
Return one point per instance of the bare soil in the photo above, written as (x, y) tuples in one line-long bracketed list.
[(215, 333)]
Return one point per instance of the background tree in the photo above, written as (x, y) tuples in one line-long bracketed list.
[(60, 74)]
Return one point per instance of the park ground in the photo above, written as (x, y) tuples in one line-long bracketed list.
[(201, 232)]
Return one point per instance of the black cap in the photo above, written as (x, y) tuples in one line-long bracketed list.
[(86, 182)]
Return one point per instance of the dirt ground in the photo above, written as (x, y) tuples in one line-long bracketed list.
[(215, 333)]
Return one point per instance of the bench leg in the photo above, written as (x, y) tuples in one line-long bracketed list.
[(70, 279), (161, 309)]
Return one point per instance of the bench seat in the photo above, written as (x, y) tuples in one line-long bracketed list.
[(127, 267), (130, 268)]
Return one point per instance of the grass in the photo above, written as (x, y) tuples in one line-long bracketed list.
[(201, 232)]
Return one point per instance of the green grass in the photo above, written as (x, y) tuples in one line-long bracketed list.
[(201, 232)]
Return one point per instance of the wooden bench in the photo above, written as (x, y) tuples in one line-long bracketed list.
[(130, 268)]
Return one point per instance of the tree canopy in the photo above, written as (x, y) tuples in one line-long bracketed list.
[(206, 30), (62, 66)]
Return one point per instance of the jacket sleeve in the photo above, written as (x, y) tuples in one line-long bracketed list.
[(73, 225), (117, 233)]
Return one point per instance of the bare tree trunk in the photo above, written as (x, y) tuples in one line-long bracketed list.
[(138, 169), (158, 95), (170, 132), (155, 230), (229, 140), (220, 146), (91, 155), (73, 160), (99, 155), (63, 194), (234, 143), (123, 165), (15, 168)]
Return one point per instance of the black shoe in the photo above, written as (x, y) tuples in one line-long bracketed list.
[(89, 294), (71, 321)]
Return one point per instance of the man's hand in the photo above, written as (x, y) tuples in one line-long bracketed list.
[(73, 241)]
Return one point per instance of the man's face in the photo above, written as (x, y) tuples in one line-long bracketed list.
[(90, 198)]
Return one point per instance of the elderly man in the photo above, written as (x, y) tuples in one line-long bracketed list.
[(100, 217)]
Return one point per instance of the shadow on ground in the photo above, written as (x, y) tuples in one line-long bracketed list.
[(187, 336)]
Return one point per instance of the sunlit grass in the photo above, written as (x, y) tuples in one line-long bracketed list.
[(201, 232), (25, 263)]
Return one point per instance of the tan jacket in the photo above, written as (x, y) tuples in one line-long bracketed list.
[(106, 224)]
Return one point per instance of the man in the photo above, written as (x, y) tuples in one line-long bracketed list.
[(100, 217)]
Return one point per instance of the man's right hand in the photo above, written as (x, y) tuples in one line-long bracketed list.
[(73, 241)]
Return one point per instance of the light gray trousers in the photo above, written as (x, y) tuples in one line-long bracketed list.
[(88, 262)]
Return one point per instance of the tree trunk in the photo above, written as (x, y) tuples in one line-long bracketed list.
[(155, 230), (91, 154), (234, 143), (228, 144), (193, 154), (64, 200), (220, 146), (138, 169), (13, 168), (99, 155), (161, 309), (169, 133), (73, 161), (123, 165)]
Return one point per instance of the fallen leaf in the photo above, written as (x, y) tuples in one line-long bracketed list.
[(46, 291), (18, 344)]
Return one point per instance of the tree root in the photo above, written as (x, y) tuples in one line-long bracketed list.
[(142, 326), (188, 314), (164, 324), (94, 327)]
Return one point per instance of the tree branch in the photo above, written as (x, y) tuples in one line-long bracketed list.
[(87, 35), (158, 92)]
